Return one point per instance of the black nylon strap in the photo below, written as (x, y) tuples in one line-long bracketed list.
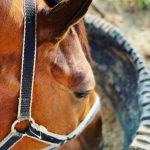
[(32, 132), (28, 60), (10, 140)]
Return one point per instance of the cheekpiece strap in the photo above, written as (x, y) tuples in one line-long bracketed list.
[(28, 61)]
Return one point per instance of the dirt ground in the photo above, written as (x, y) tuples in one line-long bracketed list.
[(134, 22), (112, 132)]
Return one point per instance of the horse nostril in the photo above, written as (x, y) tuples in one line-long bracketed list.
[(81, 94)]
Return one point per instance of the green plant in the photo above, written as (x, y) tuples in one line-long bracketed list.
[(144, 3)]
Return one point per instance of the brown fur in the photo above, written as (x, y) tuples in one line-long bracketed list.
[(61, 69)]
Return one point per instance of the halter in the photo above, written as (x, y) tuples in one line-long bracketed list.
[(34, 130)]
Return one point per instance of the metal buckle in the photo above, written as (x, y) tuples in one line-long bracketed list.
[(13, 127)]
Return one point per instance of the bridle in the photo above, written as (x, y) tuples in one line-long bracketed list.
[(34, 130)]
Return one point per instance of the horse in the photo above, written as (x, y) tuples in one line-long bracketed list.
[(64, 82)]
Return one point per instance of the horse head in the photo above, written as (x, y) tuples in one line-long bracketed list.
[(64, 82), (57, 33)]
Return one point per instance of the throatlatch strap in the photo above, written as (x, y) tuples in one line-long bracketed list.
[(10, 140), (28, 61)]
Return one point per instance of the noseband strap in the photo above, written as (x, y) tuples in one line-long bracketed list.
[(36, 131)]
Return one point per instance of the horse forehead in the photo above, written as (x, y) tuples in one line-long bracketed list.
[(71, 41)]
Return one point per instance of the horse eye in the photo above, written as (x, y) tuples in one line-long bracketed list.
[(81, 94)]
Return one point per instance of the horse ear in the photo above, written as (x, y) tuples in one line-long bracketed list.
[(65, 14), (52, 3)]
